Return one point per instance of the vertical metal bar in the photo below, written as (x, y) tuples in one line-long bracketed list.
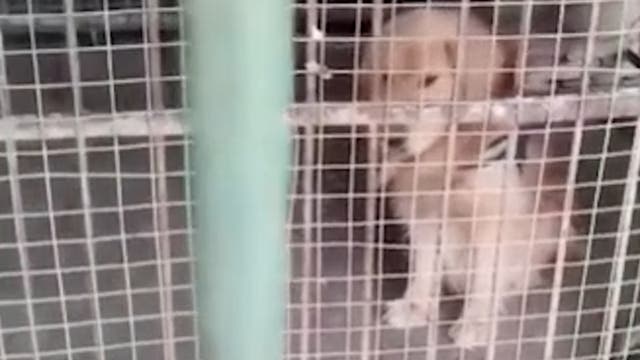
[(291, 234), (155, 61), (464, 14), (119, 190), (557, 50), (74, 61), (154, 159), (74, 71), (535, 217), (187, 163), (307, 235), (373, 161), (631, 333), (352, 181), (315, 153), (110, 65), (308, 171), (18, 214), (526, 16), (496, 293), (5, 97), (351, 282), (370, 202), (3, 348), (241, 69), (21, 238), (319, 190), (311, 49), (122, 233), (161, 215)]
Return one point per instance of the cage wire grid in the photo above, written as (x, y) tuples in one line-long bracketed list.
[(350, 254), (96, 260)]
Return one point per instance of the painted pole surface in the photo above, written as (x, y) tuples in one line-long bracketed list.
[(239, 87)]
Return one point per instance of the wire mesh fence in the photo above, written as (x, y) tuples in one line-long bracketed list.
[(96, 260), (356, 240)]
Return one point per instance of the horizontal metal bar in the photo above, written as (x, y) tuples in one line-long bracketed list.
[(30, 127), (624, 103), (526, 110)]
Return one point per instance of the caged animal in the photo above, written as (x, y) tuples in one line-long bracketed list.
[(473, 234)]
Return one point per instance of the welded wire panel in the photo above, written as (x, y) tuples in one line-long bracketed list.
[(96, 260), (569, 109)]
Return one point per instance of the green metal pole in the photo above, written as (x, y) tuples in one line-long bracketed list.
[(240, 84)]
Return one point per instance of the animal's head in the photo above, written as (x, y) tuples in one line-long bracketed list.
[(411, 70), (420, 58)]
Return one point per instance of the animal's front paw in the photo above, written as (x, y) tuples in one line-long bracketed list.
[(403, 313), (468, 334)]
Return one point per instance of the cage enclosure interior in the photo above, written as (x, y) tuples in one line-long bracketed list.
[(95, 253), (447, 153), (380, 193)]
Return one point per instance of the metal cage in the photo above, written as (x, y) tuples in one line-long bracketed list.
[(97, 259)]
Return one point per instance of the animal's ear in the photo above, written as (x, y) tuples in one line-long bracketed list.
[(451, 51)]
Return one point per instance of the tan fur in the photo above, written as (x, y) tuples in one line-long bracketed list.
[(487, 228), (426, 43)]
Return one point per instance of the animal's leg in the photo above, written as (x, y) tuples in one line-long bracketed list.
[(415, 306), (474, 325)]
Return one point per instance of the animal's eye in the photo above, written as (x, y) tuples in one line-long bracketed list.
[(428, 80)]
